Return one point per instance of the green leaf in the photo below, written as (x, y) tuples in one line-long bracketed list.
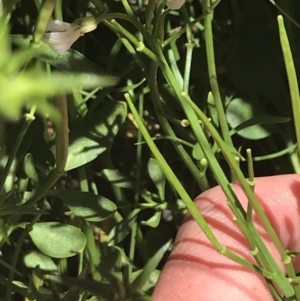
[(15, 210), (29, 168), (69, 61), (20, 58), (95, 134), (58, 240), (86, 205), (260, 120), (212, 109), (157, 176), (241, 112), (141, 280), (45, 263), (117, 178), (122, 229), (153, 221), (4, 43), (150, 284), (34, 86), (98, 288)]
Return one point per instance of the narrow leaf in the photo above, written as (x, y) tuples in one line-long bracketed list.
[(150, 266)]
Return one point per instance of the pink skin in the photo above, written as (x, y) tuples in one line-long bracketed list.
[(195, 271)]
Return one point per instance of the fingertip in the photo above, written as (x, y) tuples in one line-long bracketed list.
[(195, 271)]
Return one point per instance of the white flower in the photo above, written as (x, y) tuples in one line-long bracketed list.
[(61, 35), (175, 4)]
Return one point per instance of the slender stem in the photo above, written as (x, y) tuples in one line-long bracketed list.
[(137, 184), (62, 144), (16, 255), (62, 133), (189, 53), (213, 74), (140, 46), (44, 16), (194, 22), (183, 194), (199, 176), (26, 124), (127, 7), (58, 10), (8, 7), (278, 276), (292, 77), (289, 17)]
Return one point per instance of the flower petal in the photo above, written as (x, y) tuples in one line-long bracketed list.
[(61, 41), (60, 26), (175, 4)]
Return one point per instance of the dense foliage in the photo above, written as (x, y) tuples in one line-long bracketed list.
[(90, 199)]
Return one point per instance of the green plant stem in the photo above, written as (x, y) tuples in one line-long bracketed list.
[(198, 176), (134, 54), (99, 5), (279, 277), (29, 118), (16, 255), (190, 109), (44, 16), (189, 52), (213, 74), (58, 10), (149, 15), (194, 22), (294, 155), (127, 7), (62, 144), (8, 6), (183, 194), (62, 133), (92, 250), (134, 21), (219, 174), (140, 46), (137, 185), (2, 141), (289, 17), (292, 77)]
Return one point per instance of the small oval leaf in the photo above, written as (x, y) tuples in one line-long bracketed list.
[(95, 134), (86, 205), (45, 263), (239, 111), (58, 240)]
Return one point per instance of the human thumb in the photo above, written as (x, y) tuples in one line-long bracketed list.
[(195, 271)]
